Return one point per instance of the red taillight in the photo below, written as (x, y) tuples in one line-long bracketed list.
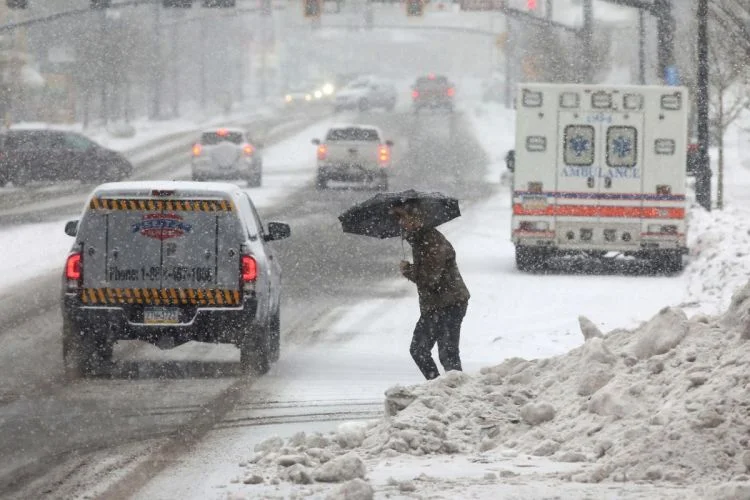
[(414, 94), (451, 92), (73, 267), (322, 152), (249, 268), (197, 150), (384, 154), (248, 150)]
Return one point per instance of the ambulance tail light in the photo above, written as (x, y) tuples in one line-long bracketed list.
[(533, 226), (248, 150), (74, 271), (663, 189), (536, 187)]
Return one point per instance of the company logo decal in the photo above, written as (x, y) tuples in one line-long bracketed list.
[(162, 226)]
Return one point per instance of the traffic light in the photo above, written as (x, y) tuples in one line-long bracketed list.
[(101, 4), (177, 4), (312, 8), (219, 4), (17, 4), (414, 7)]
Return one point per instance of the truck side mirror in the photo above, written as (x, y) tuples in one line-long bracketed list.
[(278, 231), (389, 143), (510, 160), (71, 227), (316, 142)]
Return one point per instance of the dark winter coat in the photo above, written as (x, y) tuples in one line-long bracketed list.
[(435, 272)]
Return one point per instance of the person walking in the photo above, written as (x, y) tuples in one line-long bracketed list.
[(443, 296)]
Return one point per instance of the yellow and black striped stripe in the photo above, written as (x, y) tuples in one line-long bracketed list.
[(161, 296), (155, 205)]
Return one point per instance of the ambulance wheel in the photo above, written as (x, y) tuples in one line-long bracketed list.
[(84, 353), (530, 259), (254, 352), (669, 262)]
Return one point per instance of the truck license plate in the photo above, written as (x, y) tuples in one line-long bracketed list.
[(161, 315), (534, 202)]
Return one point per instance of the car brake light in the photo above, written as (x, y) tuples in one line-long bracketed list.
[(197, 150), (322, 152), (415, 94), (249, 268), (73, 267), (222, 132), (384, 154), (248, 150), (451, 91)]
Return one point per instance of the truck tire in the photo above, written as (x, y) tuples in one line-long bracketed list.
[(84, 353), (255, 179), (274, 334), (254, 352), (321, 182), (382, 184), (530, 259)]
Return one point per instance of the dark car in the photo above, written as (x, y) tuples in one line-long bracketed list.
[(36, 155), (432, 91)]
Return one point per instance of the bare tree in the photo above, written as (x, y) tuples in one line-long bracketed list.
[(728, 76)]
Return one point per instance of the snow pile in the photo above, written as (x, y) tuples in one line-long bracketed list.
[(719, 243), (666, 401)]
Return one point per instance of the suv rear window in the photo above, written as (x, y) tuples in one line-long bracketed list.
[(213, 138), (432, 83), (352, 134)]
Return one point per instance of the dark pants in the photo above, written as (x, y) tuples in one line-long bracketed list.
[(444, 327)]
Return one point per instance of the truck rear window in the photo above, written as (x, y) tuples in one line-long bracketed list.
[(352, 134), (579, 145), (622, 146), (213, 138)]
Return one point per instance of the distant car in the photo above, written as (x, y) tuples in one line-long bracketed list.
[(299, 94), (366, 93), (41, 154), (227, 153), (354, 153), (432, 91), (169, 262)]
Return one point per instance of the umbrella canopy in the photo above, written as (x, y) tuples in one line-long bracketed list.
[(374, 217)]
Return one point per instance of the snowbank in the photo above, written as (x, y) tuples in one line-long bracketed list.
[(666, 402)]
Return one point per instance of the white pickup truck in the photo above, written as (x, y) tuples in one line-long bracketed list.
[(354, 153)]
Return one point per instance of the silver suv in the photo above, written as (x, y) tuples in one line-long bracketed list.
[(227, 154), (167, 263)]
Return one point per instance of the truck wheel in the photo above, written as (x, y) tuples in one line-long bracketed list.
[(669, 262), (382, 183), (84, 353), (254, 352), (274, 333), (530, 259), (321, 182), (254, 180)]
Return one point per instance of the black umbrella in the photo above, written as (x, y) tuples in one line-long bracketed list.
[(374, 217)]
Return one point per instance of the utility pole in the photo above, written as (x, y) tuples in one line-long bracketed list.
[(177, 21), (641, 47), (202, 68), (102, 73), (703, 172), (548, 9), (662, 9), (588, 41), (156, 76), (510, 56)]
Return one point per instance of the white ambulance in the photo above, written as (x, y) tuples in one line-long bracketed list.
[(599, 169)]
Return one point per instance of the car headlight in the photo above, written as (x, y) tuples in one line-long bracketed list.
[(318, 94), (328, 89), (308, 97), (288, 98)]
